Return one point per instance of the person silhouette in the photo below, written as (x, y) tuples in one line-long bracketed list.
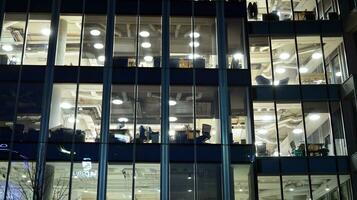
[(250, 10), (255, 10)]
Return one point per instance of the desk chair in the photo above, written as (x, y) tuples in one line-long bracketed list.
[(206, 134)]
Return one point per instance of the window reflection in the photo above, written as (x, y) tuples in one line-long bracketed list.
[(284, 61), (346, 187), (269, 187), (311, 60), (205, 52), (238, 116), (93, 41), (125, 39), (68, 40), (318, 129), (181, 114), (182, 179), (243, 182), (265, 129), (147, 181), (38, 33), (84, 179), (8, 97), (324, 187), (279, 10), (122, 114), (22, 180), (181, 35), (305, 10), (120, 181), (336, 66), (209, 181), (296, 187), (12, 38), (260, 62), (338, 129), (328, 9), (236, 56), (57, 176), (291, 129)]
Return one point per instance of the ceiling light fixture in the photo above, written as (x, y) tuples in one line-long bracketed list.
[(144, 34), (316, 55), (98, 46), (314, 117), (280, 70), (193, 56), (194, 35), (238, 56), (298, 131), (117, 101), (338, 74), (146, 45), (267, 117), (95, 32), (172, 119), (284, 56), (148, 58), (189, 190), (303, 70), (172, 102), (123, 119), (101, 58), (291, 189), (277, 82), (7, 47), (66, 105), (46, 31), (262, 131), (194, 44)]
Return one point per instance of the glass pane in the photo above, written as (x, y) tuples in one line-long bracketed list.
[(284, 61), (260, 62), (22, 180), (338, 129), (346, 187), (291, 129), (12, 38), (84, 180), (7, 112), (150, 42), (147, 181), (62, 115), (207, 115), (265, 129), (305, 10), (125, 39), (180, 37), (243, 182), (205, 53), (120, 181), (3, 170), (122, 115), (279, 10), (311, 60), (335, 60), (182, 181), (328, 9), (238, 116), (93, 44), (296, 187), (256, 9), (148, 114), (69, 39), (209, 181), (89, 111), (269, 187), (236, 56), (324, 187), (57, 176), (318, 129), (38, 34), (181, 114)]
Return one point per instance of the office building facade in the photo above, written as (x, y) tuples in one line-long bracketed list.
[(177, 99)]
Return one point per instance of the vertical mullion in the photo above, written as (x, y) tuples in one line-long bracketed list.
[(165, 90), (223, 93), (2, 14), (105, 121)]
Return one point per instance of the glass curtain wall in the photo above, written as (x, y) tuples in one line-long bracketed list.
[(243, 182), (236, 56), (238, 116)]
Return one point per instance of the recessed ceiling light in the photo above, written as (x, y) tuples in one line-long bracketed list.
[(316, 55), (95, 32), (123, 119), (117, 101), (148, 58), (98, 46), (46, 31), (172, 119), (189, 177), (194, 44), (146, 45), (280, 70), (101, 58), (139, 190), (7, 47), (303, 70), (262, 131), (66, 105), (327, 189), (23, 176), (189, 190), (172, 102), (277, 82), (194, 35), (193, 56), (314, 117), (144, 34), (172, 132), (338, 74), (291, 189), (240, 190), (238, 56), (267, 117), (298, 131), (284, 56)]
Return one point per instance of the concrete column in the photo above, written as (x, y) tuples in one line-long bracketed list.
[(61, 42)]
